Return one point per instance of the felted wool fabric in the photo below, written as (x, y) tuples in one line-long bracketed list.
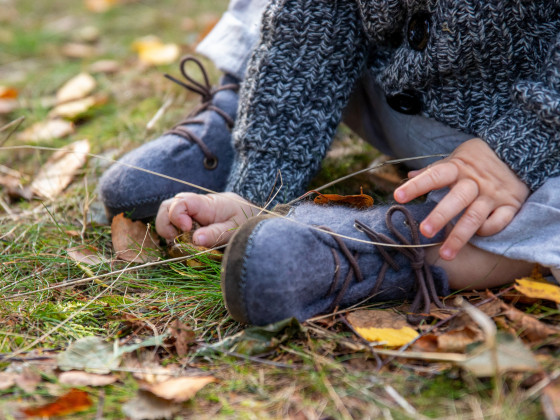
[(490, 68)]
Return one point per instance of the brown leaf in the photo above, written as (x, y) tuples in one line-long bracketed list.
[(527, 325), (77, 87), (105, 66), (552, 391), (387, 327), (7, 380), (60, 169), (146, 406), (458, 340), (426, 343), (79, 378), (133, 241), (85, 255), (74, 110), (72, 402), (28, 380), (377, 319), (179, 389), (47, 130), (359, 201), (8, 106), (9, 181), (78, 50), (7, 92), (183, 335)]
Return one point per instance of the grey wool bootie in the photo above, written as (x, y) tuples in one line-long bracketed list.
[(280, 267), (198, 150)]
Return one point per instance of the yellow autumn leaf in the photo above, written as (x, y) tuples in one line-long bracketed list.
[(77, 87), (152, 51), (392, 337), (538, 289)]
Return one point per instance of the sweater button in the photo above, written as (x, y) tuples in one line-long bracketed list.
[(418, 32), (407, 102)]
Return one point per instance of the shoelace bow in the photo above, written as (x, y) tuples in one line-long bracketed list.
[(207, 94), (426, 290)]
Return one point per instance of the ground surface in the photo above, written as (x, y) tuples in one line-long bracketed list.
[(320, 371)]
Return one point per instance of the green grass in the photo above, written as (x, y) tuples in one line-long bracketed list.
[(138, 303)]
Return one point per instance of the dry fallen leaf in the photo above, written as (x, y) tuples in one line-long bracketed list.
[(28, 380), (77, 109), (183, 336), (538, 289), (99, 6), (392, 337), (179, 389), (146, 406), (552, 391), (359, 201), (85, 255), (512, 356), (7, 92), (152, 51), (458, 340), (527, 326), (77, 87), (387, 327), (7, 380), (89, 353), (79, 378), (8, 106), (46, 130), (133, 241), (60, 169), (78, 50), (105, 66), (72, 402)]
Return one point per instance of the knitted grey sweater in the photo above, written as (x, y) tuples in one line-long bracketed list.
[(490, 68)]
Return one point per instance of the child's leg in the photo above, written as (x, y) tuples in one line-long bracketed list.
[(474, 268)]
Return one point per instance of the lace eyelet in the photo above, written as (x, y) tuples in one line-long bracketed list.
[(210, 163)]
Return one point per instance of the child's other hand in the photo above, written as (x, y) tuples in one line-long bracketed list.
[(480, 184), (218, 214)]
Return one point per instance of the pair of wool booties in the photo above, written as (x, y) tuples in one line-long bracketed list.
[(305, 261)]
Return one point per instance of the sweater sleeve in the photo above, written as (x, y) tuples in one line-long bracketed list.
[(527, 136), (299, 79)]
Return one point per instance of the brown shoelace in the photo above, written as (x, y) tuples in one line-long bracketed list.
[(207, 94), (425, 286)]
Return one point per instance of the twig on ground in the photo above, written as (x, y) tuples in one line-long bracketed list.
[(15, 124), (404, 404)]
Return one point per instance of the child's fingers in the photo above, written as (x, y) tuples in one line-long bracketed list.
[(497, 221), (164, 226), (179, 213), (215, 234), (459, 198), (466, 227), (432, 178)]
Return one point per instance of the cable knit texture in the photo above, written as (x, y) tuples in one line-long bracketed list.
[(490, 68)]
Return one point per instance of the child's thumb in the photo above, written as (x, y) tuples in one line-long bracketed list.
[(215, 234)]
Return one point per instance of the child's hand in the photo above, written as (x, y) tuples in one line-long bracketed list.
[(219, 215), (481, 184)]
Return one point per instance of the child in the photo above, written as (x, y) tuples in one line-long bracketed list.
[(477, 80)]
